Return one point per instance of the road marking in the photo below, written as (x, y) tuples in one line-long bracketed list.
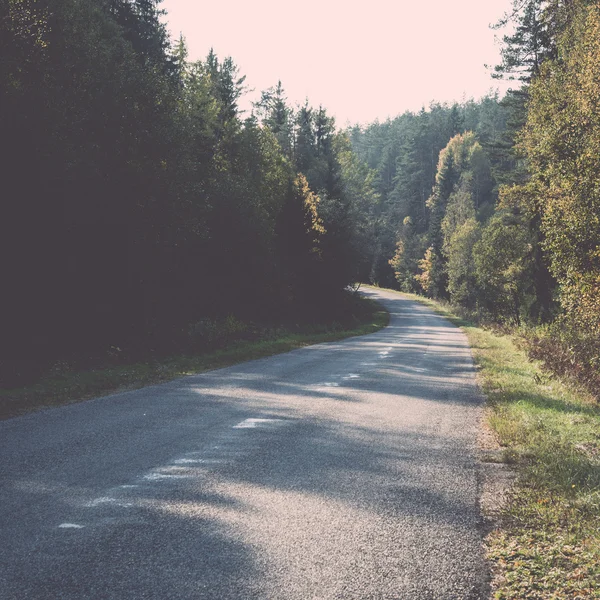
[(108, 500), (351, 376), (161, 476), (101, 500), (210, 461), (70, 526), (253, 423)]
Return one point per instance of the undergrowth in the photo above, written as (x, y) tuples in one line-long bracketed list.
[(568, 352), (213, 344)]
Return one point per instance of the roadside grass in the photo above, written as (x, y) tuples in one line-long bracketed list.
[(65, 388), (547, 543)]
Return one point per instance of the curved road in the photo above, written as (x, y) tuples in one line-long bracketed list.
[(343, 470)]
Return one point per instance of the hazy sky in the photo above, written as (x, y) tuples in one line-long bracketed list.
[(362, 61)]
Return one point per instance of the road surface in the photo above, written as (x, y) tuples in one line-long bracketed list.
[(343, 470)]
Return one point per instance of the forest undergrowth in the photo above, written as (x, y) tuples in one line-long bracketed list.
[(212, 344)]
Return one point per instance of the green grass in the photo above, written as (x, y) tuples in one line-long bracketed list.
[(65, 388), (547, 545)]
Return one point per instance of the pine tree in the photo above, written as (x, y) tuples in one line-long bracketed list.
[(525, 50), (304, 145), (278, 116)]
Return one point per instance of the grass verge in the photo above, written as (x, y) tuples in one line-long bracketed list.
[(547, 543), (65, 388)]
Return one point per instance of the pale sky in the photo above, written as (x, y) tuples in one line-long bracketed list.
[(363, 61)]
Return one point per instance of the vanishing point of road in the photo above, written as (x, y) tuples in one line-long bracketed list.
[(343, 470)]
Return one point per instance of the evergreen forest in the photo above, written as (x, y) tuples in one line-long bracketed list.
[(494, 205), (142, 209)]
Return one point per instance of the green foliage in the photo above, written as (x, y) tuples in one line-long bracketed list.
[(235, 341), (460, 209), (567, 351), (138, 195), (462, 281), (463, 186), (503, 261), (562, 143), (299, 231), (210, 334), (406, 260), (432, 277), (358, 186), (531, 42), (274, 112), (404, 154)]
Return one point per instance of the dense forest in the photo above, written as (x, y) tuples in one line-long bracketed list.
[(140, 204), (495, 205), (140, 207)]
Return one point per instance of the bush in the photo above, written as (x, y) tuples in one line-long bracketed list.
[(210, 334), (567, 351)]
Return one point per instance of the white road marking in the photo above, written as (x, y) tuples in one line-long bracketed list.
[(108, 500), (351, 376), (161, 476), (101, 500), (253, 423), (70, 526)]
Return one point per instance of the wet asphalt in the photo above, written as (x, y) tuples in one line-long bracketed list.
[(343, 470)]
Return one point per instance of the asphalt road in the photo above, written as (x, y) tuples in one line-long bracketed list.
[(343, 470)]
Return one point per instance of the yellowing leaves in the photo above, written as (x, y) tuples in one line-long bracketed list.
[(562, 142)]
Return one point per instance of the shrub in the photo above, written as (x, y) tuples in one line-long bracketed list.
[(567, 351), (209, 334)]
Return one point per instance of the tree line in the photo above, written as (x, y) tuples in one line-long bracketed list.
[(495, 205), (138, 199)]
